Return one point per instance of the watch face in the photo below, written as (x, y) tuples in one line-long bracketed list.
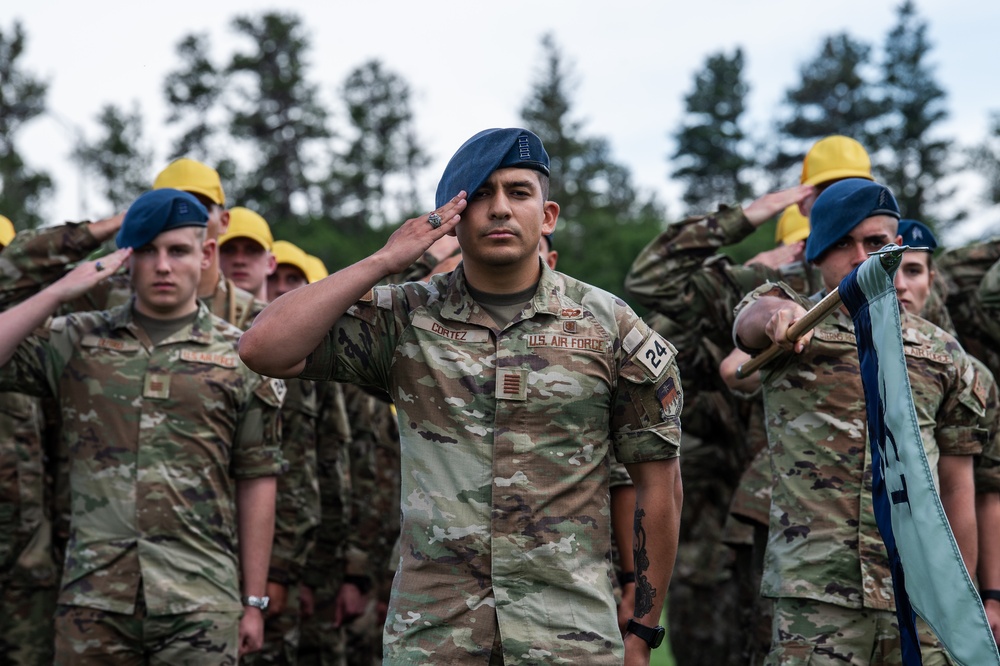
[(659, 633)]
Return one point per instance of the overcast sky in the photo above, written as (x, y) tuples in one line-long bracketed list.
[(471, 64)]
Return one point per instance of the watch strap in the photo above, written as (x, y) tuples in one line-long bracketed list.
[(653, 636)]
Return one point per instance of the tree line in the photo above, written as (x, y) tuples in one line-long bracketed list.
[(338, 188)]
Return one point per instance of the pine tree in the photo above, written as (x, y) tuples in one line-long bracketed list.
[(603, 222), (193, 92), (710, 141), (277, 116), (22, 99), (912, 161), (119, 158), (374, 180), (834, 96), (985, 160)]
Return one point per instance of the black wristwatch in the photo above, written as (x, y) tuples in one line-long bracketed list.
[(652, 635)]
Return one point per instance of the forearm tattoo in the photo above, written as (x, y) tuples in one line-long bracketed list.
[(644, 591)]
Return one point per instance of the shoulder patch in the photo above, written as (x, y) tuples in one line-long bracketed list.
[(655, 354), (979, 389), (279, 388)]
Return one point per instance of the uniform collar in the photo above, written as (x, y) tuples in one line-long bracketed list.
[(200, 331), (460, 306)]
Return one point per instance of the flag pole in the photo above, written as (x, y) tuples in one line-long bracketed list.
[(811, 319)]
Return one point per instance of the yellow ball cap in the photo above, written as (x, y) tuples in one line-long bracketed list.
[(317, 269), (7, 231), (792, 227), (194, 177), (244, 223), (288, 253), (835, 158)]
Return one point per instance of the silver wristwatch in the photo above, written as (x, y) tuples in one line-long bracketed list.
[(256, 602)]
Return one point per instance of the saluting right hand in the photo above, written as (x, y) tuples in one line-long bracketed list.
[(82, 279), (416, 235)]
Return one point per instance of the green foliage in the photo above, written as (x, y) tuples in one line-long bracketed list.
[(603, 223), (22, 99), (912, 161), (277, 116), (193, 92), (119, 158), (382, 159), (710, 141), (985, 158), (834, 96)]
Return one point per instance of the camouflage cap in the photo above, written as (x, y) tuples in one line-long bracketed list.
[(157, 211), (486, 152)]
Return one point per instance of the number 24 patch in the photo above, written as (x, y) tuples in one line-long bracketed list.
[(655, 354)]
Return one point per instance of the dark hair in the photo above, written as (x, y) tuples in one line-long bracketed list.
[(543, 183)]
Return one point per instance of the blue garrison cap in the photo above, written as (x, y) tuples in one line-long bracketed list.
[(157, 211), (843, 206), (917, 234), (486, 152)]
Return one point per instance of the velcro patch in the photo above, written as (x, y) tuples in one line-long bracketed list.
[(571, 313), (512, 384), (655, 354), (979, 389), (222, 360), (108, 343), (156, 386), (567, 342), (426, 323), (632, 340)]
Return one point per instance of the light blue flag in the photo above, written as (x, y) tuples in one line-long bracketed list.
[(928, 573)]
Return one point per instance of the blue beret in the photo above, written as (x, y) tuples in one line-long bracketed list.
[(917, 234), (486, 152), (843, 206), (157, 211)]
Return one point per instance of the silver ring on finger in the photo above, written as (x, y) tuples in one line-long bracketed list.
[(434, 220)]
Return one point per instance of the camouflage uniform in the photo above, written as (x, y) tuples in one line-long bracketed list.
[(322, 644), (296, 519), (973, 298), (692, 287), (504, 441), (152, 491), (29, 572), (41, 256), (824, 548)]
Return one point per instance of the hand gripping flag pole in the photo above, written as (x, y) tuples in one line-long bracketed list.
[(928, 574)]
